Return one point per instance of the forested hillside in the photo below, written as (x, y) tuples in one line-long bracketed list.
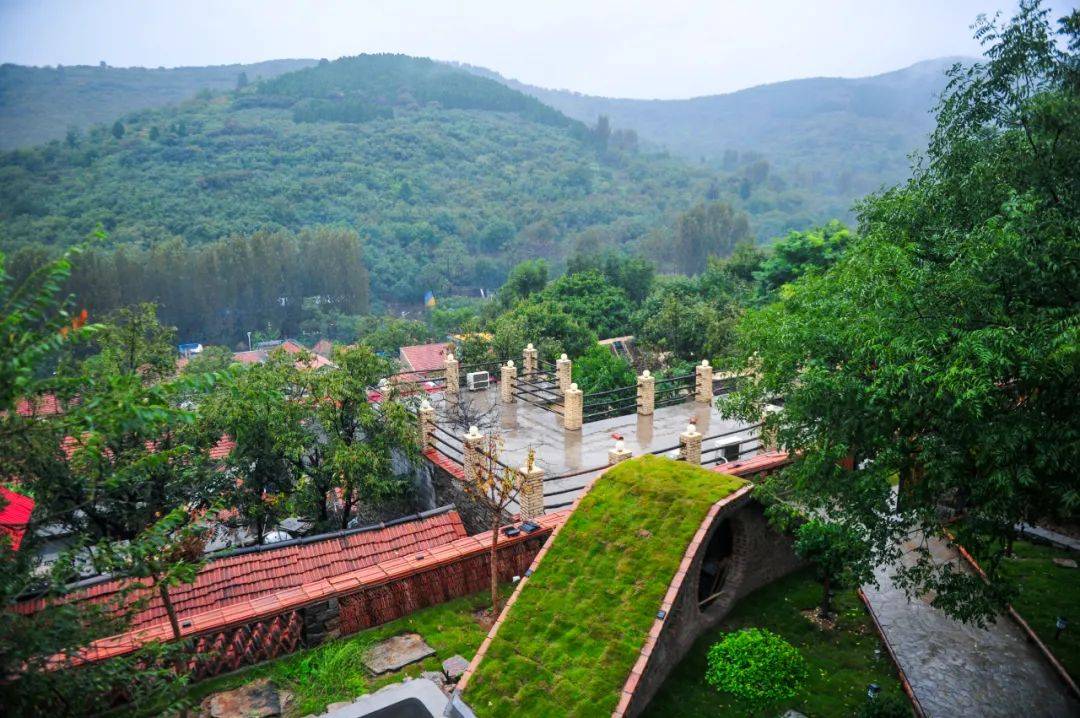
[(38, 104), (833, 138), (448, 178)]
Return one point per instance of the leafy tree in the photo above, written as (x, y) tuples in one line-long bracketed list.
[(241, 80), (212, 359), (711, 229), (943, 346), (345, 445), (254, 408), (675, 319), (133, 342), (118, 129), (386, 335), (35, 323), (634, 275), (526, 278), (799, 253), (551, 330), (757, 666), (592, 300), (599, 369), (838, 553)]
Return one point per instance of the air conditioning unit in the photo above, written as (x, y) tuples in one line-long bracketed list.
[(477, 380)]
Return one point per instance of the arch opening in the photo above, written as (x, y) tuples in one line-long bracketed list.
[(716, 565)]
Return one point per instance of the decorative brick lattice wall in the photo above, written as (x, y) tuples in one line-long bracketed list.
[(234, 648), (380, 604)]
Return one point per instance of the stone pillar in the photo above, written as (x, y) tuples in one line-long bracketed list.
[(474, 447), (532, 488), (646, 393), (506, 382), (690, 441), (426, 415), (703, 382), (453, 378), (530, 359), (572, 405), (563, 372), (619, 453)]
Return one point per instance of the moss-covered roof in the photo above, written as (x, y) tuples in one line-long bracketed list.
[(568, 643)]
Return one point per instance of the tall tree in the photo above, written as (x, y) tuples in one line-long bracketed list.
[(711, 229), (944, 346)]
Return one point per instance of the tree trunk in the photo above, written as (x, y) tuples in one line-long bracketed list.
[(169, 609), (826, 608), (495, 565)]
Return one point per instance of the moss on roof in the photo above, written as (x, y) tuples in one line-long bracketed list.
[(569, 642)]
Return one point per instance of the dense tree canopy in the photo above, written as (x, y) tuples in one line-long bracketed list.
[(944, 347)]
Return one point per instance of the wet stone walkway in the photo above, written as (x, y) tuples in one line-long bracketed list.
[(956, 669)]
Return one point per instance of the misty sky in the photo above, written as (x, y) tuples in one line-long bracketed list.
[(622, 48)]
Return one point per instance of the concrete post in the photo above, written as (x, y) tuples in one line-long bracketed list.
[(768, 436), (619, 453), (646, 393), (574, 399), (474, 447), (563, 372), (532, 488), (703, 382), (506, 383), (453, 378), (690, 441), (530, 359), (426, 415)]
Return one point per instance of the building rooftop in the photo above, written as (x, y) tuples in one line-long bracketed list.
[(257, 356), (15, 515), (574, 630), (424, 357), (245, 574)]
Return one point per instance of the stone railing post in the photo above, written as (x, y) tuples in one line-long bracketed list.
[(572, 406), (767, 435), (532, 489), (646, 393), (563, 372), (506, 382), (703, 382), (453, 378), (426, 415), (474, 447), (690, 441), (530, 362), (619, 453)]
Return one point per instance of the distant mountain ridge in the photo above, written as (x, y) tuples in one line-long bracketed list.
[(845, 136), (38, 104)]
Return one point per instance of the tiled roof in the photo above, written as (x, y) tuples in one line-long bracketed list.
[(15, 515), (425, 357), (248, 574), (44, 405), (390, 569), (258, 356), (760, 464), (324, 347)]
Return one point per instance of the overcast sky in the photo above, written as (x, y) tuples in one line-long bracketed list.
[(621, 48)]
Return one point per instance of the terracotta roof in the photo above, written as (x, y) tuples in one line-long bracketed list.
[(425, 357), (324, 347), (251, 573), (258, 356), (762, 463), (44, 405), (246, 610), (15, 515)]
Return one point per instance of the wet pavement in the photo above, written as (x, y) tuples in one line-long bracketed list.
[(957, 669)]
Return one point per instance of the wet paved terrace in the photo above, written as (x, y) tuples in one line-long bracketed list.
[(522, 426)]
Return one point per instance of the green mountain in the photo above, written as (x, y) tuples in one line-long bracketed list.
[(449, 178), (838, 138), (38, 104)]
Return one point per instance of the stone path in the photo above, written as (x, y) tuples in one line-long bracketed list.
[(1050, 537), (957, 669)]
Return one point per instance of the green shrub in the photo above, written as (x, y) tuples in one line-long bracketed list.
[(886, 705), (757, 666)]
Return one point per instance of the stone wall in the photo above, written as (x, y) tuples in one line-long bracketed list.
[(759, 556), (475, 514)]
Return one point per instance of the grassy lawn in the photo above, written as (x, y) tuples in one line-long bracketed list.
[(335, 672), (568, 644), (842, 662), (1046, 592)]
